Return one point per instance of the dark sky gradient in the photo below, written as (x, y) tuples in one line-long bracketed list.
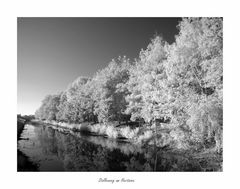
[(52, 52)]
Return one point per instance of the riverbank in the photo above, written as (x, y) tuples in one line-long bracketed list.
[(20, 126), (23, 162), (125, 133), (166, 137)]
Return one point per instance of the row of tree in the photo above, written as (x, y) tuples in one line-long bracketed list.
[(181, 82)]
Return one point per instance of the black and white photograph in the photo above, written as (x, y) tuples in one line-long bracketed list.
[(120, 94)]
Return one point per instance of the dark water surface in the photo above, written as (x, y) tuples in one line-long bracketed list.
[(42, 148)]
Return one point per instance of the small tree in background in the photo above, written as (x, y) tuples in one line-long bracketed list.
[(48, 109)]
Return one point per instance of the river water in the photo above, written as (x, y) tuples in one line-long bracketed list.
[(43, 148)]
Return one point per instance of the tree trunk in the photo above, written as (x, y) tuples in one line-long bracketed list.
[(155, 145)]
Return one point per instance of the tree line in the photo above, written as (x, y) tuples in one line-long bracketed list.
[(180, 82)]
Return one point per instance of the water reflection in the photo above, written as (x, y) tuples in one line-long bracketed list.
[(59, 150)]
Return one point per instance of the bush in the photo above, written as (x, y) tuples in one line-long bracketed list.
[(99, 129), (129, 133), (148, 134), (111, 132)]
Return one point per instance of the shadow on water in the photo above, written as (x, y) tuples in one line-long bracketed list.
[(48, 149), (24, 164)]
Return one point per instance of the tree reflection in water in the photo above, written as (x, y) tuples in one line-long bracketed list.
[(68, 151)]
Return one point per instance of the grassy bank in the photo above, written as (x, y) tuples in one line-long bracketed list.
[(106, 130), (172, 138)]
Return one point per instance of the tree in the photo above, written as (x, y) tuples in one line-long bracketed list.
[(62, 108), (148, 91), (48, 109), (195, 73), (72, 101), (109, 99), (76, 87)]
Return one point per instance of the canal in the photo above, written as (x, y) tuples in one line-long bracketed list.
[(43, 148)]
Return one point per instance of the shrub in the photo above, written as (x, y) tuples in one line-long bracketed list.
[(129, 133), (148, 134), (111, 132)]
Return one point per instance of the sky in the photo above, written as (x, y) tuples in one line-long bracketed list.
[(53, 52)]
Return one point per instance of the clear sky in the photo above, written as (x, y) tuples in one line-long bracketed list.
[(52, 52)]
